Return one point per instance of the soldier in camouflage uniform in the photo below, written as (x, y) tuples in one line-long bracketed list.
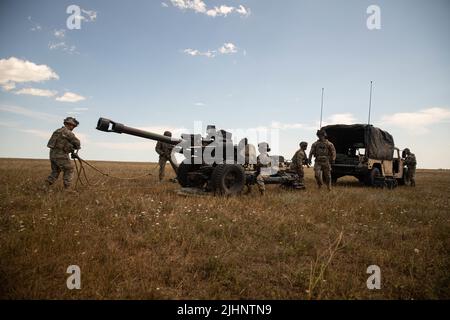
[(62, 142), (325, 154), (263, 165), (411, 163), (165, 154), (298, 160)]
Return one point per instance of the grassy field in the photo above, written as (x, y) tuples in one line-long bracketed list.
[(140, 239)]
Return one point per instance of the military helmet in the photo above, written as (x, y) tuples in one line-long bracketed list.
[(264, 146), (407, 151), (167, 133), (72, 121), (322, 133), (303, 143)]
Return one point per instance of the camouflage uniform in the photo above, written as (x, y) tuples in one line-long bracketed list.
[(324, 153), (410, 162), (62, 142), (165, 154), (263, 162), (298, 160)]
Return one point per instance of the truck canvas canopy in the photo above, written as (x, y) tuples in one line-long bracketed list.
[(379, 144)]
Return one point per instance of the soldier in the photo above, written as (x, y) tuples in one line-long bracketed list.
[(325, 154), (165, 154), (410, 162), (263, 165), (298, 160), (62, 142)]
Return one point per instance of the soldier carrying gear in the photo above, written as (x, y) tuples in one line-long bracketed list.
[(165, 154), (298, 160), (325, 154), (62, 142), (411, 162)]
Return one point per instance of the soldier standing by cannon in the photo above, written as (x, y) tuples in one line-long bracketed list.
[(325, 154), (298, 160), (62, 142), (165, 154)]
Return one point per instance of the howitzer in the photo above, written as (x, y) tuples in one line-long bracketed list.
[(212, 163)]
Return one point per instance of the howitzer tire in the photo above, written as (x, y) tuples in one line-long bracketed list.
[(228, 179), (182, 174)]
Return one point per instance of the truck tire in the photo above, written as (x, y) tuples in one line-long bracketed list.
[(372, 177), (228, 179)]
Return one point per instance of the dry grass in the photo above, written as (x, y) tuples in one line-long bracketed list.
[(139, 239)]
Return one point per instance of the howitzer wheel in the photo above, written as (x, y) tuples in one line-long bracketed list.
[(183, 174), (228, 179)]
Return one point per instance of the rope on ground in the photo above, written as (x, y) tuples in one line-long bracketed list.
[(81, 172)]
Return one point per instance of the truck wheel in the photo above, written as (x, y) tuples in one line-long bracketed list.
[(228, 179), (182, 174), (372, 177)]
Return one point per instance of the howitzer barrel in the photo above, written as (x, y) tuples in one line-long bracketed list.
[(107, 125)]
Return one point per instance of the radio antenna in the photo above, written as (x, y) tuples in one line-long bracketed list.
[(370, 101), (321, 110)]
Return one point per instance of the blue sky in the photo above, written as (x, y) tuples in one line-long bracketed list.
[(237, 64)]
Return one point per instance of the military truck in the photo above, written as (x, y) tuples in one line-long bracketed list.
[(366, 153)]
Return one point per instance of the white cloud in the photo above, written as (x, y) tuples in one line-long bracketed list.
[(243, 11), (194, 52), (8, 86), (70, 97), (36, 92), (220, 11), (199, 6), (341, 118), (284, 126), (163, 4), (14, 70), (199, 104), (90, 15), (61, 33), (30, 113), (417, 122), (62, 45), (226, 48)]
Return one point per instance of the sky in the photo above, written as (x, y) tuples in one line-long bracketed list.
[(250, 66)]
